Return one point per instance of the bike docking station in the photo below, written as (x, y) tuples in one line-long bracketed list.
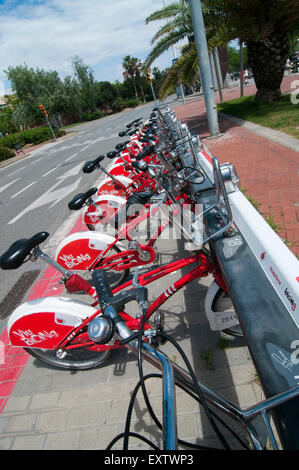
[(162, 167), (261, 275)]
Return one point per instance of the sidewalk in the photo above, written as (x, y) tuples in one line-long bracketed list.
[(268, 170)]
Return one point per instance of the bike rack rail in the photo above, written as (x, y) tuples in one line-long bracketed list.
[(262, 277)]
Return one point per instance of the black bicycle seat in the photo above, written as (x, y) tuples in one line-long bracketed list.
[(122, 145), (17, 253), (80, 199), (91, 165), (112, 154)]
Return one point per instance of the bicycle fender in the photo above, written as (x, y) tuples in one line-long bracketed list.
[(103, 209), (218, 320), (119, 170), (108, 185), (78, 250), (44, 323)]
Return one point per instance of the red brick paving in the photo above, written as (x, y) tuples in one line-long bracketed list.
[(269, 172)]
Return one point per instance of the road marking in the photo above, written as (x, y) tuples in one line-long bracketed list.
[(8, 184), (75, 154), (14, 172), (84, 148), (50, 171), (35, 161), (22, 190), (52, 194)]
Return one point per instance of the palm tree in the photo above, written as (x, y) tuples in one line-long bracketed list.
[(177, 28), (130, 66), (134, 67), (263, 25)]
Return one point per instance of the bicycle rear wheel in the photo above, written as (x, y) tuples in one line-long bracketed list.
[(74, 359)]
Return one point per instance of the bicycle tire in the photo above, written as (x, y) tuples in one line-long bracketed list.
[(75, 359), (222, 302)]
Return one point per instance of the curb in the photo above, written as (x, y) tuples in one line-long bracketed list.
[(44, 146), (270, 134)]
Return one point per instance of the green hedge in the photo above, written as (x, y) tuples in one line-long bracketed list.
[(92, 116), (130, 103), (6, 153), (31, 136)]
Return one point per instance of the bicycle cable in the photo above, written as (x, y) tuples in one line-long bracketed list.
[(198, 395)]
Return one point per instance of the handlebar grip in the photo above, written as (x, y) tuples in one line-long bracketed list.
[(104, 291)]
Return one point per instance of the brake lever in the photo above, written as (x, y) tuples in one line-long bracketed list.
[(141, 293)]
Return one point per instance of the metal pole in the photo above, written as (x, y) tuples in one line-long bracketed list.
[(241, 68), (218, 73), (48, 122), (153, 92), (204, 65)]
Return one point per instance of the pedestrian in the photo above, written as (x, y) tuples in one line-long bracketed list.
[(246, 76), (288, 65)]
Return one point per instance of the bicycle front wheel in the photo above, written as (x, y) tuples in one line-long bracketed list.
[(223, 303), (74, 359)]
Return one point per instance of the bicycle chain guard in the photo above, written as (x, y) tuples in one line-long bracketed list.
[(128, 259)]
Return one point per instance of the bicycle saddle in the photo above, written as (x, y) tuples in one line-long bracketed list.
[(80, 199), (122, 145), (16, 254), (112, 154), (91, 165)]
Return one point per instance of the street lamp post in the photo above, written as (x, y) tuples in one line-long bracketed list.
[(204, 65)]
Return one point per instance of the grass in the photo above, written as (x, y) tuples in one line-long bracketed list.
[(280, 115)]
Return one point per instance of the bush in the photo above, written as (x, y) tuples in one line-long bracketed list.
[(131, 103), (92, 116), (31, 136), (6, 153), (117, 105)]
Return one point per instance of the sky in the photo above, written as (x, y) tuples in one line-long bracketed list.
[(48, 34)]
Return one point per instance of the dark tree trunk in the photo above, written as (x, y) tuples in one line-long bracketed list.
[(267, 60)]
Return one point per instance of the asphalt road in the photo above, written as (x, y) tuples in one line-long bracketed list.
[(35, 191)]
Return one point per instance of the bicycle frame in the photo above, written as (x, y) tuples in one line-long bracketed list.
[(143, 254), (204, 269)]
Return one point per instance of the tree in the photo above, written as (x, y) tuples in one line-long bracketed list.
[(234, 58), (262, 25), (87, 87), (177, 28), (34, 87), (133, 67)]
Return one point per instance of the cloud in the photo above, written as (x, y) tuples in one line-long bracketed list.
[(48, 34)]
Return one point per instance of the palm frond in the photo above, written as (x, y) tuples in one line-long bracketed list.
[(165, 43), (185, 70), (168, 12)]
